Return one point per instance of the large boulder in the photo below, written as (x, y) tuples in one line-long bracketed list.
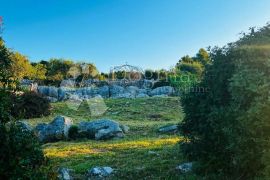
[(101, 129), (53, 91), (68, 83), (54, 131), (61, 94), (142, 91), (43, 90), (133, 90), (104, 91), (84, 91), (116, 91), (164, 90), (48, 91), (91, 90)]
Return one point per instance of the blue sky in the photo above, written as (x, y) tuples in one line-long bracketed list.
[(147, 33)]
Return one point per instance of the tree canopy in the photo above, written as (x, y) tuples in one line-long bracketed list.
[(227, 128)]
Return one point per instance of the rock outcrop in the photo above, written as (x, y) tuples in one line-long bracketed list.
[(101, 129), (114, 90), (54, 131)]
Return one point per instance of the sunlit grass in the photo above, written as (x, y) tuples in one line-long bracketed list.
[(144, 110), (67, 149), (129, 156)]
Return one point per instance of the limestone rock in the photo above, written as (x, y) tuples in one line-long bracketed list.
[(101, 129), (99, 172), (104, 91), (116, 90), (64, 174), (185, 167), (61, 94), (54, 131)]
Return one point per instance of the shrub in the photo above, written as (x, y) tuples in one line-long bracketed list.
[(5, 106), (194, 67), (227, 129), (21, 155), (73, 132), (30, 105)]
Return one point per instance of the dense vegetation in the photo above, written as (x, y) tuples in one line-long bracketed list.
[(21, 155), (30, 105), (227, 129)]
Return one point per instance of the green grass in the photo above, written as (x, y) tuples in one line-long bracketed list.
[(129, 156)]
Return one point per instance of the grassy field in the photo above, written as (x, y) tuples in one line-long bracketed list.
[(142, 154)]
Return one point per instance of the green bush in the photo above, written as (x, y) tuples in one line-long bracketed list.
[(5, 106), (21, 154), (30, 105), (192, 67), (227, 128), (73, 132)]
